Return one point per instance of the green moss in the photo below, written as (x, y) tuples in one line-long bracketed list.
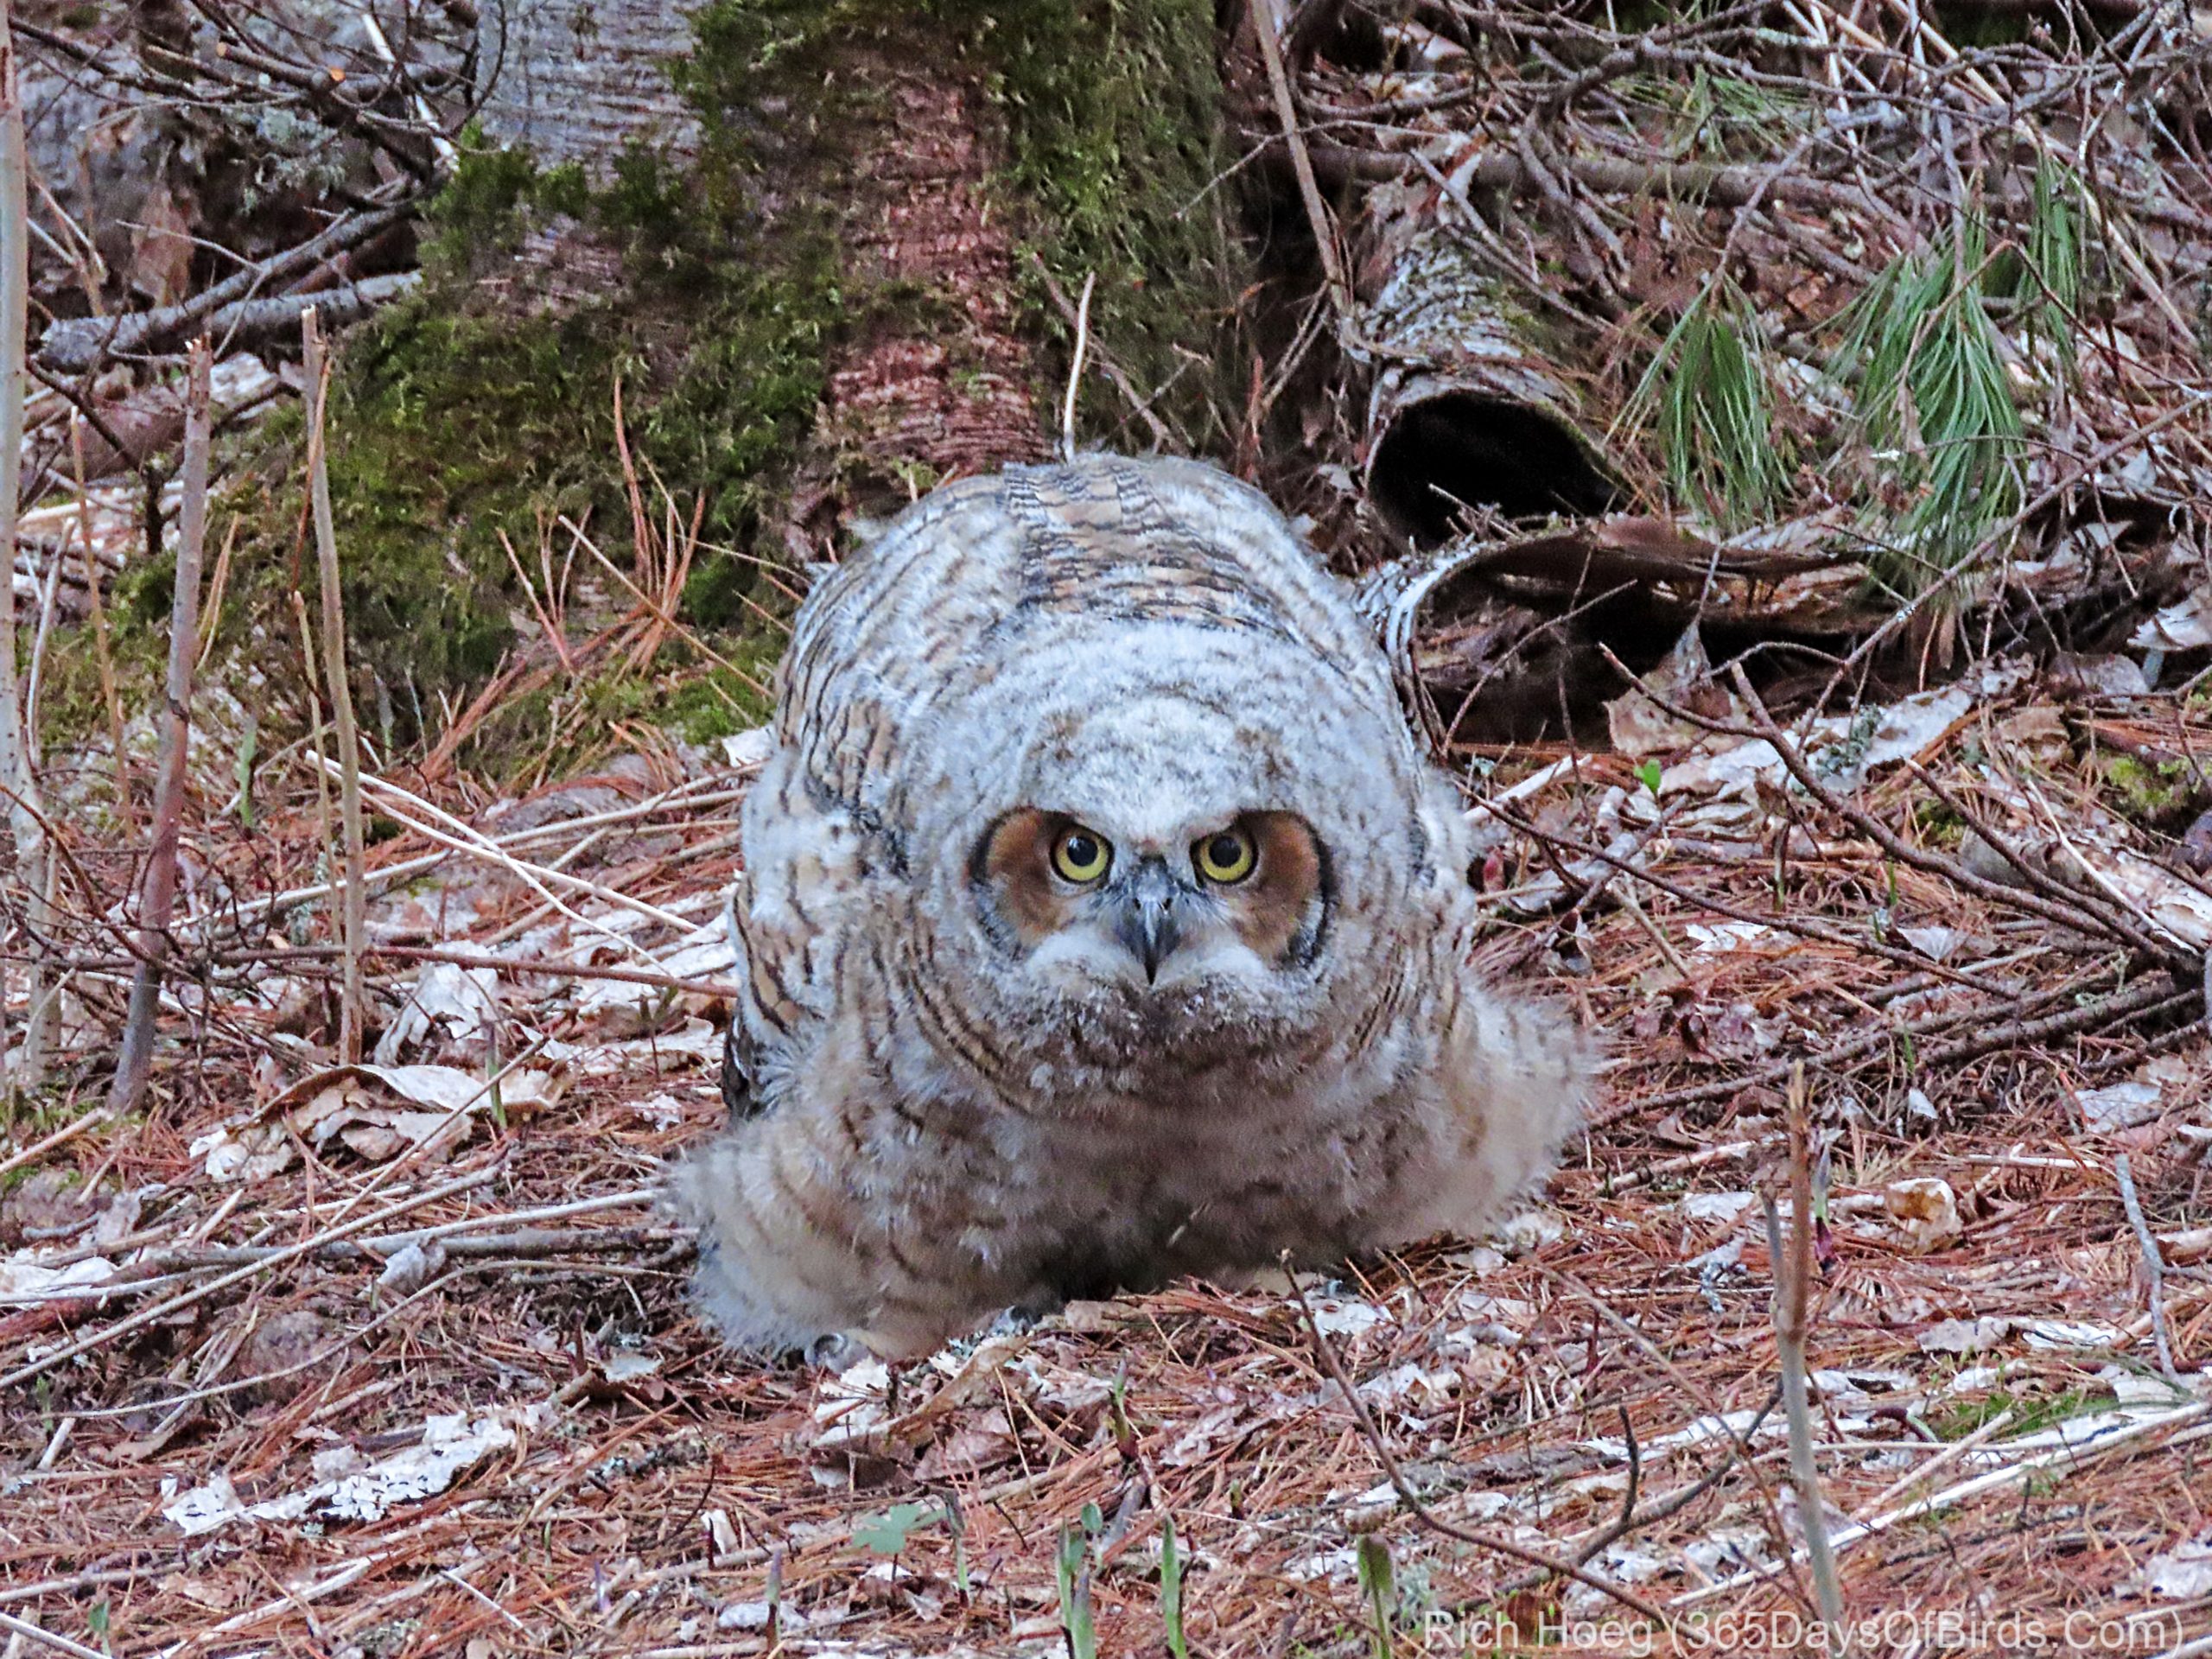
[(2160, 795), (719, 704), (2032, 1415), (1112, 118), (447, 431), (32, 1116), (481, 209), (1114, 114), (735, 292), (578, 721), (481, 406), (1938, 825), (458, 418)]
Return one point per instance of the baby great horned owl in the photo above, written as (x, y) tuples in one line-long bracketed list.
[(1102, 923)]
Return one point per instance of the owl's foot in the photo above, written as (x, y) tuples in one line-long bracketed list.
[(1025, 1315), (835, 1350)]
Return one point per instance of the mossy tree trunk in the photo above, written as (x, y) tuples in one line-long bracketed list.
[(893, 149), (968, 167), (827, 273)]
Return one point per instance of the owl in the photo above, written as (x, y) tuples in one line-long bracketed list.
[(1100, 922)]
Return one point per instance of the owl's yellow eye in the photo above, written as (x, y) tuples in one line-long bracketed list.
[(1080, 856), (1225, 857)]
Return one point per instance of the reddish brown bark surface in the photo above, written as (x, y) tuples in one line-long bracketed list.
[(934, 381)]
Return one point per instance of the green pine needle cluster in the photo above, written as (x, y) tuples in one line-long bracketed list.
[(1705, 398), (1933, 403), (2055, 249), (1924, 364)]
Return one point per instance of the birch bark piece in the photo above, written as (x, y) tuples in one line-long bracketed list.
[(1467, 410), (582, 80)]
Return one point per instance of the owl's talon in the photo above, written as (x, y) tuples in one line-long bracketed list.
[(1021, 1319), (834, 1350)]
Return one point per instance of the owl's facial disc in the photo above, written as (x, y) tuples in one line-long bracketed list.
[(1229, 898)]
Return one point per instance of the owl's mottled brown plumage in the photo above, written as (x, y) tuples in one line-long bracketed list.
[(1102, 922)]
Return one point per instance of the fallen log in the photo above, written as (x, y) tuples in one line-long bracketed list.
[(1466, 409)]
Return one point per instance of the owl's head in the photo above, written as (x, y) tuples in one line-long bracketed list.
[(1181, 855)]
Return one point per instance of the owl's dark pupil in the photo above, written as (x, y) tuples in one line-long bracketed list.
[(1082, 851), (1225, 852)]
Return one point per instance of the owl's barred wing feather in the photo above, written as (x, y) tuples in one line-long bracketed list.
[(806, 871)]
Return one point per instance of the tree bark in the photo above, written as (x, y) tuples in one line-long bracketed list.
[(581, 81)]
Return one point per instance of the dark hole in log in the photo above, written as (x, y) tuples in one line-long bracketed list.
[(1461, 447), (1552, 685), (1348, 36)]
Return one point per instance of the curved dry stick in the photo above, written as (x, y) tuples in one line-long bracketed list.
[(2046, 897), (2050, 900), (1436, 1522), (162, 1310)]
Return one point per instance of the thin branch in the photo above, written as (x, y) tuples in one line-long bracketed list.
[(1793, 1274), (353, 907), (2154, 1266), (75, 344), (24, 1631), (1075, 367), (1427, 1517), (1075, 319), (158, 901), (1316, 213), (18, 774)]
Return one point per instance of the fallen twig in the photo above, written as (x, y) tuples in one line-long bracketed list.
[(2154, 1266), (67, 1132), (2069, 1458), (145, 1316), (1317, 212), (464, 838), (75, 345), (24, 1630)]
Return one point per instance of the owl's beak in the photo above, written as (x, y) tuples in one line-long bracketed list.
[(1147, 925)]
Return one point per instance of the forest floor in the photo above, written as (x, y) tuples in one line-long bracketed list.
[(396, 1359), (395, 1362)]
